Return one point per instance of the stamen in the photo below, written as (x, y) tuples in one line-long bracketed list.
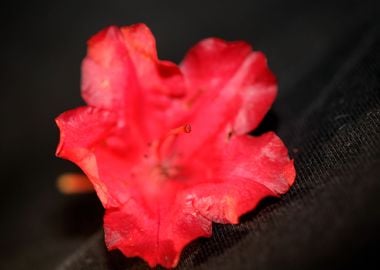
[(168, 139), (180, 130)]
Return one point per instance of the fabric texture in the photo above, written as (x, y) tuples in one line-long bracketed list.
[(326, 57)]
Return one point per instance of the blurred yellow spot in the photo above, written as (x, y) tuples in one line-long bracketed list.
[(74, 183)]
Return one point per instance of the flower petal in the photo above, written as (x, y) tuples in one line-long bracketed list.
[(262, 159), (238, 173), (165, 88), (158, 229), (81, 128), (226, 182), (114, 76), (232, 89), (164, 76), (211, 63), (132, 229), (91, 138), (230, 182), (188, 212), (108, 72)]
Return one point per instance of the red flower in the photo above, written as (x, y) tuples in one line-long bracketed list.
[(166, 146)]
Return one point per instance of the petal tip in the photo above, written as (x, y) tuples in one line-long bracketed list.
[(102, 34)]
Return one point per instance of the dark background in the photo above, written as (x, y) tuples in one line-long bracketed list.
[(326, 57)]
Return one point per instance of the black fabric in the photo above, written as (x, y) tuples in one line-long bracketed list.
[(327, 60)]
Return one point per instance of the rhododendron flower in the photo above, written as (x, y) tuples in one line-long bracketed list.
[(166, 146)]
